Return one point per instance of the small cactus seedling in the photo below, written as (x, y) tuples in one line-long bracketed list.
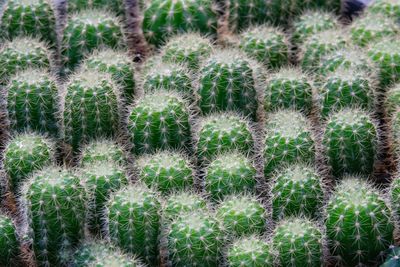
[(228, 174), (389, 8), (392, 101), (54, 201), (23, 155), (393, 258), (266, 44), (101, 179), (190, 49), (289, 88), (165, 171), (250, 251), (133, 218), (86, 31), (228, 80), (358, 223), (222, 133), (242, 215), (163, 18), (296, 191), (90, 108), (20, 54), (350, 142), (116, 6), (159, 120), (9, 247), (28, 17), (182, 203), (102, 151), (195, 239), (298, 242), (288, 139), (32, 102), (346, 88), (118, 64), (243, 13), (371, 28)]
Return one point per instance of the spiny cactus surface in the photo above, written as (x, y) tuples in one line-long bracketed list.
[(386, 7), (181, 203), (116, 6), (102, 150), (9, 246)]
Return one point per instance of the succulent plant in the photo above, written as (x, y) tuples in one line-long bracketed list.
[(288, 140), (289, 88), (116, 6), (133, 220), (181, 203), (229, 173), (358, 223), (53, 203), (392, 101), (159, 120), (23, 155), (102, 151), (389, 8), (266, 44), (243, 13), (9, 247), (394, 193), (90, 108), (298, 242), (393, 258), (350, 141)]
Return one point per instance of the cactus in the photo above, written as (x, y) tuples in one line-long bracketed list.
[(23, 155), (268, 45), (32, 102), (159, 120), (116, 6), (53, 201), (28, 17), (299, 242), (242, 215), (86, 31), (182, 203), (228, 80), (102, 151), (163, 18), (289, 88), (288, 139), (358, 223), (221, 133), (394, 193), (350, 142), (165, 171), (20, 54), (297, 190), (195, 239), (229, 173), (118, 64), (133, 220), (393, 258), (90, 108), (190, 49), (9, 247), (389, 8), (250, 251), (372, 28), (243, 13), (392, 101), (346, 88)]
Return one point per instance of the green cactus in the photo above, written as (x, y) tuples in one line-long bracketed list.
[(195, 239), (358, 223), (299, 242), (393, 258), (394, 193), (32, 102), (116, 6), (289, 88), (190, 49), (133, 220), (119, 65), (250, 251), (268, 45), (102, 151), (86, 31), (23, 155), (350, 142), (228, 80), (159, 120), (229, 173), (163, 18), (165, 171), (244, 13), (242, 215), (90, 108), (288, 140), (20, 54), (297, 190), (9, 247), (181, 203), (346, 88), (392, 101), (221, 133), (54, 201), (28, 17), (389, 8)]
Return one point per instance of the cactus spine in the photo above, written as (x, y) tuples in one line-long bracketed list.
[(116, 6), (102, 151), (9, 247), (182, 203), (393, 259), (389, 8)]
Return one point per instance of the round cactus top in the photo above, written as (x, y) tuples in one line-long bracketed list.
[(32, 76), (25, 45), (160, 101), (297, 227), (228, 59), (349, 74), (375, 23), (195, 222), (350, 117), (28, 143), (251, 244), (287, 123), (189, 43), (90, 78), (103, 168), (316, 19), (30, 2), (93, 17), (224, 123), (331, 37), (290, 74), (230, 161), (299, 173), (346, 57), (389, 46), (163, 159), (241, 204), (135, 194), (110, 57)]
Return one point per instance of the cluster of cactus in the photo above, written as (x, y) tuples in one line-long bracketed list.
[(389, 8), (102, 151), (182, 203), (9, 247)]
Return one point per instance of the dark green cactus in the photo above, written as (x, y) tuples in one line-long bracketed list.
[(358, 223), (182, 203), (389, 8), (350, 142), (116, 6), (393, 258), (102, 151), (159, 120), (288, 139), (243, 13), (9, 247)]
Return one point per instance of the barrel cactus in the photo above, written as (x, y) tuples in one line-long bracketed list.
[(243, 13), (116, 6), (394, 193), (102, 150), (389, 8), (9, 247), (181, 203)]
